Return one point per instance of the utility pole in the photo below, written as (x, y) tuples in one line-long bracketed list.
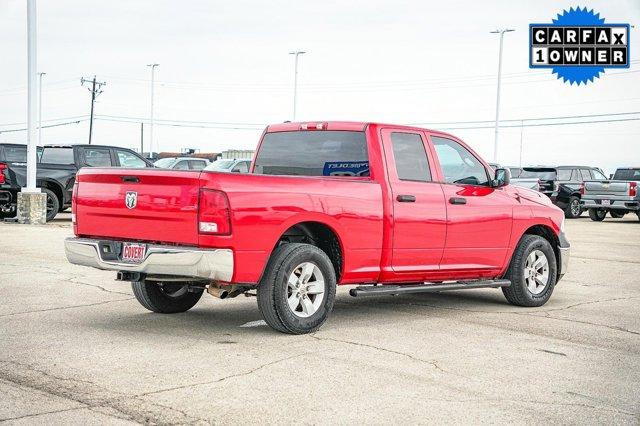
[(40, 108), (153, 75), (295, 80), (96, 89), (142, 139), (521, 132), (495, 142)]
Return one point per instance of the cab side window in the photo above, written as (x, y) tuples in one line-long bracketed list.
[(410, 157), (129, 159), (97, 157), (459, 165), (567, 174)]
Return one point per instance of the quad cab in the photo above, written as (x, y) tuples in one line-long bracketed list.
[(388, 209)]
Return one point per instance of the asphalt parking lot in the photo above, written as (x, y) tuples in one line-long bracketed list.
[(76, 347)]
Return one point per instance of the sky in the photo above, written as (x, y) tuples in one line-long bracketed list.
[(225, 73)]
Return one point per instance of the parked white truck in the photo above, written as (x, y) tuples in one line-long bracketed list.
[(617, 196)]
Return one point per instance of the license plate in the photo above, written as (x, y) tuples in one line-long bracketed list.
[(133, 252), (606, 202)]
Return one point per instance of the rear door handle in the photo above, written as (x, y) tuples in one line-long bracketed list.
[(406, 198), (130, 179), (458, 200)]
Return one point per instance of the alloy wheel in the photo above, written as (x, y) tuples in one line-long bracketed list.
[(305, 290), (536, 272)]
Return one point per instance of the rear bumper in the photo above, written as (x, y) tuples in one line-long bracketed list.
[(615, 204), (214, 264)]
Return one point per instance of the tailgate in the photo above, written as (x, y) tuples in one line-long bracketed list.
[(138, 204), (606, 188)]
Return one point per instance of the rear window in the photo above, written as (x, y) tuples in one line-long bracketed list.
[(627, 174), (52, 155), (313, 153), (15, 154), (544, 174)]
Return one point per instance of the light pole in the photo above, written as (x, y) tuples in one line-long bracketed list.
[(495, 142), (153, 73), (32, 100), (40, 108), (295, 80)]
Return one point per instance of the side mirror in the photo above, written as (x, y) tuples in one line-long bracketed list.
[(502, 178)]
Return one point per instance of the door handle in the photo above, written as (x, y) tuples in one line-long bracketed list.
[(458, 200), (406, 198), (130, 179)]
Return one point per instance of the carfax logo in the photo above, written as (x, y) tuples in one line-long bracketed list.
[(578, 46)]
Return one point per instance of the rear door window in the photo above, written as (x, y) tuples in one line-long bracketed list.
[(241, 167), (57, 155), (97, 157), (313, 153), (586, 174), (459, 165), (410, 157), (181, 165)]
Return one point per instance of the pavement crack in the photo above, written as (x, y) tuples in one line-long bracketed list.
[(75, 280), (65, 307), (392, 351), (590, 302), (552, 352), (222, 379)]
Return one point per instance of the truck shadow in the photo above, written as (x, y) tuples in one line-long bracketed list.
[(230, 319)]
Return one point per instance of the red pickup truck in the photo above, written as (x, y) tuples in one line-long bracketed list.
[(392, 209)]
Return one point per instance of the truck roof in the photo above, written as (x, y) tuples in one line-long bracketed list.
[(359, 126), (83, 145)]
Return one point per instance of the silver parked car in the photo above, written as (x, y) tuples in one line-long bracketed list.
[(242, 165), (182, 163)]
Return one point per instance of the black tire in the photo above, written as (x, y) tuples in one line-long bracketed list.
[(597, 215), (53, 204), (518, 293), (616, 214), (165, 298), (573, 210), (273, 290)]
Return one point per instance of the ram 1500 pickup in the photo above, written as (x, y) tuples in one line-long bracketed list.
[(391, 209)]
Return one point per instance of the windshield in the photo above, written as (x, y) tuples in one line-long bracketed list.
[(543, 174), (313, 153), (165, 163), (627, 174), (220, 165)]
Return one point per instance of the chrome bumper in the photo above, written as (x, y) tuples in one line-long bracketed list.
[(214, 264), (565, 254)]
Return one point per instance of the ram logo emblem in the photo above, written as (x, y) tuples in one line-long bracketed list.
[(131, 199)]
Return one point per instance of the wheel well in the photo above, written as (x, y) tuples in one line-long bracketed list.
[(548, 234), (319, 235)]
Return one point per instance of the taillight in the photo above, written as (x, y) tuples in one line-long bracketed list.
[(214, 214), (582, 188), (633, 189), (74, 207), (3, 167)]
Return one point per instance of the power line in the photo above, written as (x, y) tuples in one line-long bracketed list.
[(530, 119), (44, 127), (541, 124)]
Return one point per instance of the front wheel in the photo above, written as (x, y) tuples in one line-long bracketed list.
[(597, 215), (532, 272), (573, 209), (164, 297), (298, 288)]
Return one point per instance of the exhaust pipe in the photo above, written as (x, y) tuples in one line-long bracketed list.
[(219, 292)]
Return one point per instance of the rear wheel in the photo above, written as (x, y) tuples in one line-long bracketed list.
[(597, 215), (573, 209), (164, 297), (298, 288), (616, 215), (532, 272), (53, 204)]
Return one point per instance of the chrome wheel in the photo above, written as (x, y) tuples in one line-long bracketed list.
[(305, 290), (536, 272), (575, 207)]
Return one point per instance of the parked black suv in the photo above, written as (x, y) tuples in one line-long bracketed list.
[(56, 172), (562, 184)]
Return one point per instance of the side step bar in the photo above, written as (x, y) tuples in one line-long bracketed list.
[(426, 287)]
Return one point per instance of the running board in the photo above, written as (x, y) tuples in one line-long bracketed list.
[(426, 287)]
